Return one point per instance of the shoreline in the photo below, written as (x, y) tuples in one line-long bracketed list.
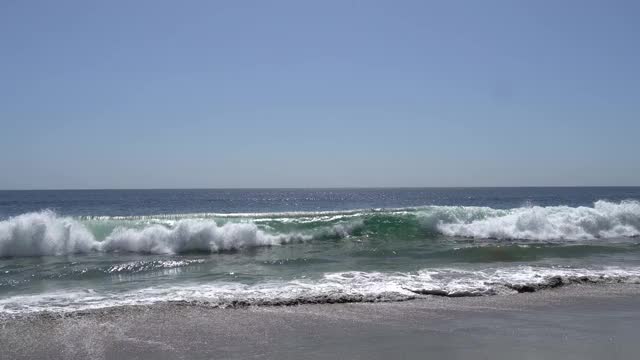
[(575, 322)]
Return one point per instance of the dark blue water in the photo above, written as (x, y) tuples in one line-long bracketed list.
[(73, 250), (151, 202)]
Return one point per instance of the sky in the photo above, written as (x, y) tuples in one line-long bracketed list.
[(218, 94)]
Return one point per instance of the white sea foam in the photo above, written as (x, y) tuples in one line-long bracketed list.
[(285, 215), (44, 233), (193, 235), (603, 220), (353, 286)]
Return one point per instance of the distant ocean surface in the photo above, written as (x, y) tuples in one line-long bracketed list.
[(64, 251)]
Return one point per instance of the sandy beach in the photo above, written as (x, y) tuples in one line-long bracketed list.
[(575, 322)]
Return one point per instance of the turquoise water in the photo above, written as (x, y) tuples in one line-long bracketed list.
[(68, 250)]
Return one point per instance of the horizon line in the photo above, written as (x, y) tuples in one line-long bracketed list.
[(327, 188)]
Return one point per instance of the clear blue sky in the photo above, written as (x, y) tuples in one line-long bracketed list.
[(148, 94)]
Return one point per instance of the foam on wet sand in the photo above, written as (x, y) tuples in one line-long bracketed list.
[(574, 322)]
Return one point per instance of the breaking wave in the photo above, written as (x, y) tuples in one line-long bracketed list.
[(45, 233), (603, 220), (193, 235)]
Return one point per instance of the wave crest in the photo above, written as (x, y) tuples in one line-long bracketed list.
[(604, 220), (44, 233), (193, 235)]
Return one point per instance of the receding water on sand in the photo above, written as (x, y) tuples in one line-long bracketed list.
[(575, 322)]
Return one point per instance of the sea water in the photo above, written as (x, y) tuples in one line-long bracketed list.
[(64, 251)]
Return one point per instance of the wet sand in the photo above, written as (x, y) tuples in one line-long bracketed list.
[(575, 322)]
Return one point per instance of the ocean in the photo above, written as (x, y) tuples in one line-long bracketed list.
[(64, 251)]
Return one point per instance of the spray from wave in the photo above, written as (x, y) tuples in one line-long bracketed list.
[(604, 220), (193, 235), (45, 233)]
